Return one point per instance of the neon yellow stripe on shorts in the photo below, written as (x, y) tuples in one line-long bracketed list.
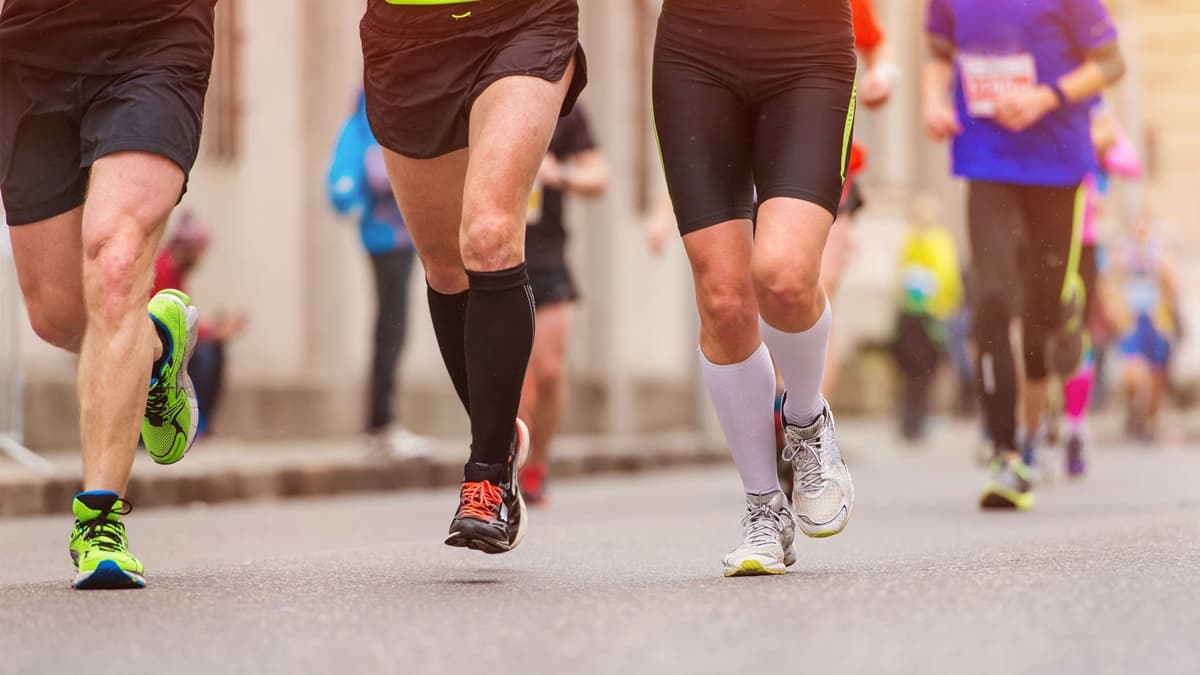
[(848, 131)]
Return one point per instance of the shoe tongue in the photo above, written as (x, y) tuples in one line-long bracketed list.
[(814, 428), (477, 471), (89, 505), (772, 499)]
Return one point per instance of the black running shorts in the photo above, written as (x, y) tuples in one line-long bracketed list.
[(753, 104), (54, 125), (552, 285), (424, 65)]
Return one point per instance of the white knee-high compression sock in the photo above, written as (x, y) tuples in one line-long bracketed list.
[(744, 395), (800, 358)]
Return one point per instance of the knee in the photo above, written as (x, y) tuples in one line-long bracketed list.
[(445, 274), (491, 241), (727, 310), (547, 378), (443, 267), (787, 289), (116, 278), (60, 322)]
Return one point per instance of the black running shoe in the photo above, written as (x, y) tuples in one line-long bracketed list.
[(491, 511)]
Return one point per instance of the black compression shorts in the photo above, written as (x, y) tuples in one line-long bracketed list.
[(552, 285), (753, 104), (424, 65)]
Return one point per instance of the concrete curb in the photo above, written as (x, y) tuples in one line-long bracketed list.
[(316, 474)]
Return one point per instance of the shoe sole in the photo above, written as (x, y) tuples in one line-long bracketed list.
[(490, 545), (108, 575), (834, 526), (189, 388), (1003, 500), (753, 568)]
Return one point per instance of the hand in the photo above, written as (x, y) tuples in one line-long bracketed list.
[(941, 122), (229, 325), (659, 230), (1019, 110), (877, 86), (552, 173)]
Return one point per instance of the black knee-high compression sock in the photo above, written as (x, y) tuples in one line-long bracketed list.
[(449, 314), (499, 337)]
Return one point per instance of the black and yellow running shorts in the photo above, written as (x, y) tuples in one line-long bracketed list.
[(753, 99)]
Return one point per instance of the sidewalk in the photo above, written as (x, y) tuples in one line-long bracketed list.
[(223, 470), (227, 470)]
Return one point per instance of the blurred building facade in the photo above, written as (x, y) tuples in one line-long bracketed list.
[(286, 76)]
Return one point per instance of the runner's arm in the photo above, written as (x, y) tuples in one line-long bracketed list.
[(587, 173), (1103, 68), (941, 122), (880, 73)]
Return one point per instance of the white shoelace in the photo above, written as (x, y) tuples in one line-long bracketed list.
[(763, 524), (810, 474)]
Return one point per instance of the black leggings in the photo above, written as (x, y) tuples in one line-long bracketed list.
[(1024, 249), (392, 273)]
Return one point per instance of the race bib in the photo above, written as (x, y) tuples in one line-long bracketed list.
[(986, 79), (533, 209)]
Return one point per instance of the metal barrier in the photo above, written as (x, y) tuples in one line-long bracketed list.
[(12, 382)]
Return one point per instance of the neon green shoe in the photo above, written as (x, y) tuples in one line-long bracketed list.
[(98, 544), (169, 428), (1010, 486)]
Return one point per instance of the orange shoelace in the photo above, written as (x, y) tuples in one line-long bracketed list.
[(480, 500)]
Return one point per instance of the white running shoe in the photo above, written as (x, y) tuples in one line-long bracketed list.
[(397, 443), (768, 545), (823, 493)]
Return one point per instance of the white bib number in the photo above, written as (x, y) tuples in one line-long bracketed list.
[(986, 79)]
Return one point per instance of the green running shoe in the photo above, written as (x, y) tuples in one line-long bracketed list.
[(98, 544), (169, 428), (1010, 485)]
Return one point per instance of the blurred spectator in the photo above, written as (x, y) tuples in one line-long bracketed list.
[(359, 187), (930, 294), (1114, 156), (179, 256), (1143, 273), (574, 165), (961, 352), (878, 79)]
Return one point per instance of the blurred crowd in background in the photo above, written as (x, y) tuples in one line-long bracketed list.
[(1136, 321)]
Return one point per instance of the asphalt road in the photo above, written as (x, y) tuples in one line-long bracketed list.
[(622, 575)]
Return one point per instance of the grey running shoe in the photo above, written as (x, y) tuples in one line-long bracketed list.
[(823, 492), (768, 544)]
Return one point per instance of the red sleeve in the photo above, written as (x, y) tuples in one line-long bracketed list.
[(867, 33), (166, 273)]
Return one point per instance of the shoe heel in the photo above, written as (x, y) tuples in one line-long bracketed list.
[(522, 442)]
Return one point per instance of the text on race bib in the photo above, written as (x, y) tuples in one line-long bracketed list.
[(987, 78)]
